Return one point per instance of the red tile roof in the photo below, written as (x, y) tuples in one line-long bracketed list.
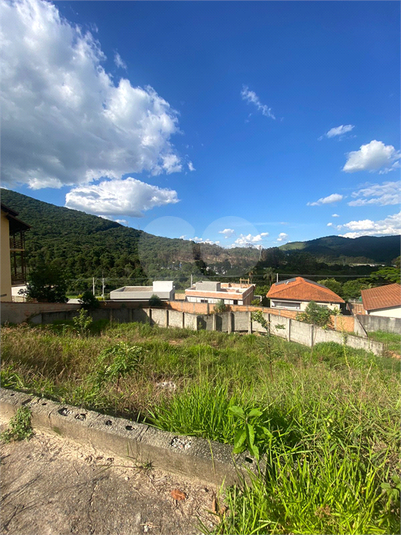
[(300, 289), (382, 297)]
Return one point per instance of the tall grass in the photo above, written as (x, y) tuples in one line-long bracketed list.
[(331, 414)]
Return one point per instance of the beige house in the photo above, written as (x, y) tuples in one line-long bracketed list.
[(213, 292), (13, 268)]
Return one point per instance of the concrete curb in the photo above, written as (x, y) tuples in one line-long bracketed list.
[(187, 456)]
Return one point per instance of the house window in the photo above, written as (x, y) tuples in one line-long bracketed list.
[(235, 301), (292, 305)]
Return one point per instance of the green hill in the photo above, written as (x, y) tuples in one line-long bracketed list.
[(86, 245), (369, 249)]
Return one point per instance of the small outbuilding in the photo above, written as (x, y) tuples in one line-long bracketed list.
[(163, 289)]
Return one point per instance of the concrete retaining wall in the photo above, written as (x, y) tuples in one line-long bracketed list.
[(237, 321), (380, 323), (188, 456), (20, 312)]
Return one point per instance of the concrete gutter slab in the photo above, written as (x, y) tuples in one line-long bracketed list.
[(187, 456)]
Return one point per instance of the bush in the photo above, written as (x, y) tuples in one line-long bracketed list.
[(89, 301), (315, 314), (220, 307), (155, 301), (20, 426)]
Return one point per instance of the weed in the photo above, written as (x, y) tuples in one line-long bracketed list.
[(82, 322), (19, 426)]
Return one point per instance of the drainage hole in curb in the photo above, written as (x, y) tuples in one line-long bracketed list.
[(44, 403), (249, 460), (63, 411), (181, 443), (129, 428), (26, 401), (108, 422), (81, 416), (12, 394)]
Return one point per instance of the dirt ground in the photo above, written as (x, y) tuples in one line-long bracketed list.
[(51, 486)]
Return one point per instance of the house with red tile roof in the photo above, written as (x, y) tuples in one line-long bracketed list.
[(297, 293), (383, 301)]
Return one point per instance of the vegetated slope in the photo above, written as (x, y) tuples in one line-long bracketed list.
[(87, 245), (381, 249)]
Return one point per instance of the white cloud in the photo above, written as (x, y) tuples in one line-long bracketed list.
[(249, 240), (335, 215), (128, 197), (120, 63), (122, 221), (201, 240), (282, 237), (372, 157), (383, 194), (64, 119), (366, 227), (251, 97), (334, 197), (228, 232), (191, 166), (338, 131), (329, 224), (183, 237)]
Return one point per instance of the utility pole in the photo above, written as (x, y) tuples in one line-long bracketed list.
[(276, 277), (191, 280), (93, 285), (102, 287)]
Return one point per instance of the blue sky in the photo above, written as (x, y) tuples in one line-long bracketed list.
[(242, 123)]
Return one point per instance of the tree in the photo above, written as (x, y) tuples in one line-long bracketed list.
[(332, 285), (47, 284), (315, 314), (385, 275), (352, 289)]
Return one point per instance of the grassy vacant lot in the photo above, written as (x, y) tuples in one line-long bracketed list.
[(325, 420)]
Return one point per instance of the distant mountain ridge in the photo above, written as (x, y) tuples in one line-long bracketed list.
[(373, 249)]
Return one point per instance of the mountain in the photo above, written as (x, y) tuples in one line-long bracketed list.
[(368, 249), (86, 245), (89, 246)]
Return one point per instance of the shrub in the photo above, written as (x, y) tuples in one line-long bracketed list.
[(155, 301), (220, 307), (88, 301), (315, 314)]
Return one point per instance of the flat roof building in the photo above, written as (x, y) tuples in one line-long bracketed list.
[(163, 289), (213, 292)]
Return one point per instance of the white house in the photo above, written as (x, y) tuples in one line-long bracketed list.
[(297, 293), (383, 301)]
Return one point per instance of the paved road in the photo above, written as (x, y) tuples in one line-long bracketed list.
[(51, 486)]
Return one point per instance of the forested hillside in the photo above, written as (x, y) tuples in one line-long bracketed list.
[(86, 246)]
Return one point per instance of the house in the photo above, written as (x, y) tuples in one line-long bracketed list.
[(383, 301), (163, 289), (13, 267), (213, 292), (297, 293)]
